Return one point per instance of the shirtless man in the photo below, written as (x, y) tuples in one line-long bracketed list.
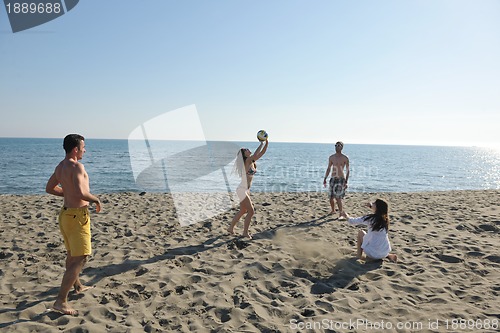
[(338, 182), (74, 219)]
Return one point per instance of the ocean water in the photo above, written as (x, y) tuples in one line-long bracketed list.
[(119, 166)]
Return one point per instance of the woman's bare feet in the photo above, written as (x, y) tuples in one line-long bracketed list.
[(81, 288), (64, 308), (249, 235), (392, 257)]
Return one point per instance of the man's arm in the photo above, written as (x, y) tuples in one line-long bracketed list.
[(327, 171), (53, 187), (347, 170), (81, 190)]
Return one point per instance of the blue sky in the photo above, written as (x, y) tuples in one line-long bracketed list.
[(377, 71)]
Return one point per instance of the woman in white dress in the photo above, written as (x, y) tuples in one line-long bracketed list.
[(375, 243)]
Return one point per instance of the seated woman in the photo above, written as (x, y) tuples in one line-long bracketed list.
[(375, 242)]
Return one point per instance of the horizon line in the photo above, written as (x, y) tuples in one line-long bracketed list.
[(490, 146)]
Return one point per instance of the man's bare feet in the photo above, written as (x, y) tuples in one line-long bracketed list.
[(64, 309), (392, 257), (230, 231)]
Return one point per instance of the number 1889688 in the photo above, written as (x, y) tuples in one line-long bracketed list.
[(33, 8)]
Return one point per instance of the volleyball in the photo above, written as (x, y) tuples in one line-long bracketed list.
[(262, 135)]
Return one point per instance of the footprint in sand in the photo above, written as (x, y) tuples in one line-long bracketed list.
[(449, 259), (495, 259)]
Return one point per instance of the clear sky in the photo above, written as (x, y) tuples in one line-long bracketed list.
[(373, 71)]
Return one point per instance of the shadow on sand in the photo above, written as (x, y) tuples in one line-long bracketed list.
[(344, 272)]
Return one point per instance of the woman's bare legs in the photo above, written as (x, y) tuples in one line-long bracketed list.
[(247, 202), (246, 206), (235, 220), (361, 235)]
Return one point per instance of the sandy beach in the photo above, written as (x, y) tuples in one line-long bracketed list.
[(298, 274)]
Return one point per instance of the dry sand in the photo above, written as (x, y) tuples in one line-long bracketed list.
[(151, 274)]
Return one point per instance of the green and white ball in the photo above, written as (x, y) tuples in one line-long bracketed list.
[(262, 135)]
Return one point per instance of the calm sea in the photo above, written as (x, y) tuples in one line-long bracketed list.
[(119, 166)]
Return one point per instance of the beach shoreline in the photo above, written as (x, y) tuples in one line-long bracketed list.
[(152, 274)]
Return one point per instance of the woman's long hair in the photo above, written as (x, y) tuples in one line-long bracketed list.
[(239, 164), (380, 219)]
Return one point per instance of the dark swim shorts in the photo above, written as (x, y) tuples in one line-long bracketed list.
[(337, 188)]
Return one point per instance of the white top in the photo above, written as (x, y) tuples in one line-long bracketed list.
[(375, 243)]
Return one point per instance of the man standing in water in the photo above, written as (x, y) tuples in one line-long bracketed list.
[(338, 182), (74, 218)]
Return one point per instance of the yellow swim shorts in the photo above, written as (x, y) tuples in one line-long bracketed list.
[(74, 224)]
